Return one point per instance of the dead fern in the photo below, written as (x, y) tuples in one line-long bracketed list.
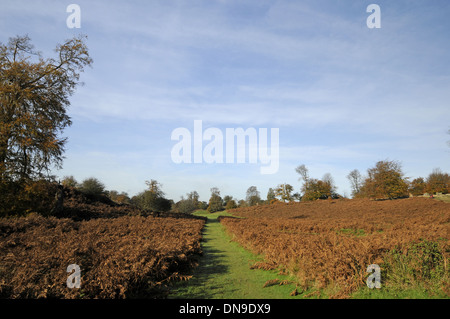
[(271, 282)]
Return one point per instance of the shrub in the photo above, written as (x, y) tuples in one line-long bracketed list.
[(231, 204), (92, 186), (21, 198), (315, 189), (69, 181), (215, 202), (438, 182), (417, 187), (151, 201), (385, 181), (126, 257), (421, 263), (185, 206)]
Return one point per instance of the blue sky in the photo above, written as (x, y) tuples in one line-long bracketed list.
[(343, 96)]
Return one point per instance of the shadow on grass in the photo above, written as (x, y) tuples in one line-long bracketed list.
[(211, 265)]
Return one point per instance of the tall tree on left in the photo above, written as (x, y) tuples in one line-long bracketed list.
[(34, 98)]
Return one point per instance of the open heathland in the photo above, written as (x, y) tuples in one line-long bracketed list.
[(329, 244), (125, 254)]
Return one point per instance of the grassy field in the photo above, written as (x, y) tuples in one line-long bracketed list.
[(224, 270), (444, 198)]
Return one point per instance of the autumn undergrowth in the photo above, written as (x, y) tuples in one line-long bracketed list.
[(419, 271), (224, 270)]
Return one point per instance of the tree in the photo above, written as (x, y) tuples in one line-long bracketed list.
[(284, 192), (297, 196), (242, 203), (318, 189), (252, 196), (202, 205), (184, 206), (356, 181), (121, 198), (226, 199), (155, 188), (34, 97), (231, 204), (417, 187), (303, 171), (194, 198), (270, 195), (313, 188), (153, 198), (385, 181), (69, 181), (330, 187), (188, 205), (438, 182), (92, 186), (215, 201)]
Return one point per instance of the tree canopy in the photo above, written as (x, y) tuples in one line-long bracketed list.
[(314, 188), (284, 192), (34, 97), (215, 201), (385, 180), (253, 196)]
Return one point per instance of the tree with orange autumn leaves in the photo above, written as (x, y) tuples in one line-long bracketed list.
[(385, 181), (34, 97)]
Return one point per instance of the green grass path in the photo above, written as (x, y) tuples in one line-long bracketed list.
[(224, 270)]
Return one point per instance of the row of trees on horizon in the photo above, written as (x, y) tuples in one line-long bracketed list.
[(384, 181), (34, 98)]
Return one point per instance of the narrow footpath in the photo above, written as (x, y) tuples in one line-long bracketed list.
[(224, 271)]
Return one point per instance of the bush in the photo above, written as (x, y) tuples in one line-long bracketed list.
[(126, 257), (417, 186), (420, 264), (69, 181), (385, 181), (21, 198), (315, 189), (185, 206), (151, 201), (92, 186), (438, 182), (231, 204), (215, 204), (215, 201)]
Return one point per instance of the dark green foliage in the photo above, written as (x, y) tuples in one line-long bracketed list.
[(151, 201), (422, 263), (252, 196), (92, 186), (215, 201), (231, 204), (21, 198), (188, 205), (270, 195)]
